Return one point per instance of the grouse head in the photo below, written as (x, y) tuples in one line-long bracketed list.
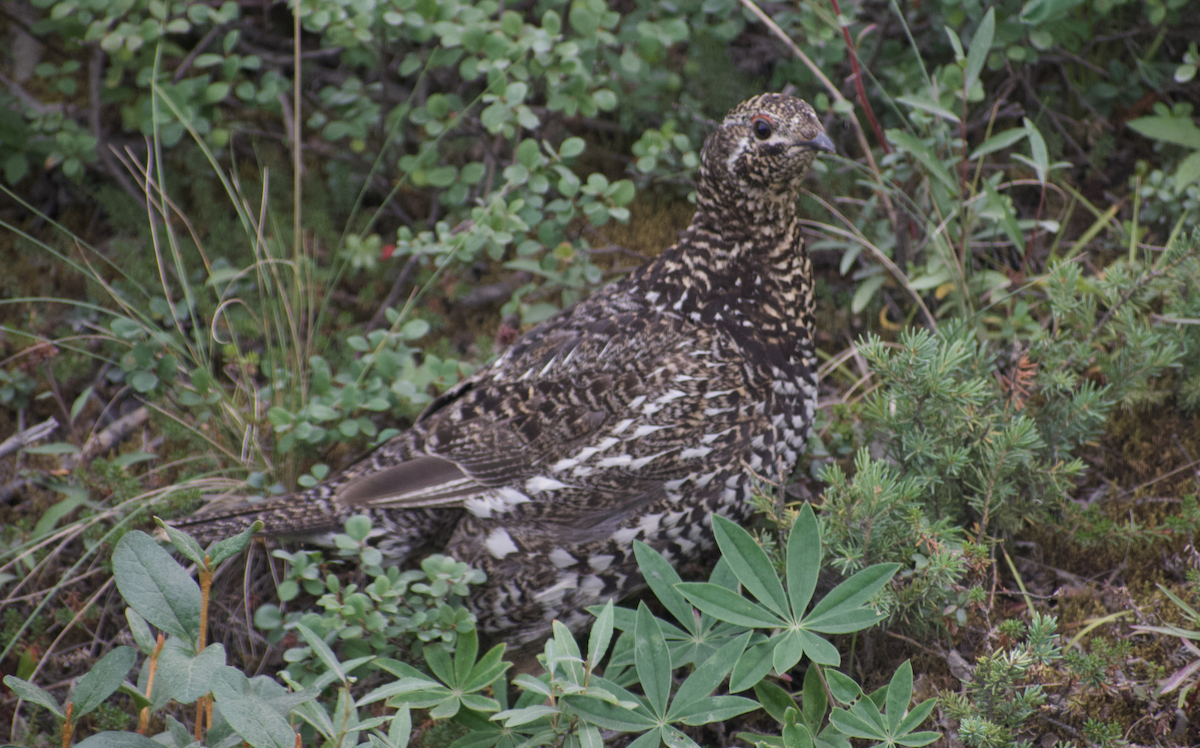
[(758, 156)]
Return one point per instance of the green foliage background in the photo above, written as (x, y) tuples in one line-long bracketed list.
[(266, 271)]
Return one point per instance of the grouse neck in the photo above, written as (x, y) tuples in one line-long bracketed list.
[(759, 233), (745, 214), (734, 270)]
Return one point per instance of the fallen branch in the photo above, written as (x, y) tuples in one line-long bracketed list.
[(28, 436), (113, 433)]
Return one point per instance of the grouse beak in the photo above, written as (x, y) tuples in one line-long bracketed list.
[(820, 143)]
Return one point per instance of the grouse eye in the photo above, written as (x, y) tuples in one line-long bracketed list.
[(762, 128)]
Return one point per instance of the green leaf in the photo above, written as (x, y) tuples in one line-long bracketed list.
[(803, 559), (981, 45), (156, 586), (927, 104), (753, 665), (714, 709), (606, 100), (705, 679), (998, 209), (915, 717), (1178, 130), (856, 590), (105, 677), (480, 703), (924, 156), (751, 565), (844, 621), (183, 543), (1038, 151), (623, 192), (413, 329), (774, 699), (999, 142), (788, 652), (322, 650), (442, 176), (143, 381), (651, 739), (662, 578), (1188, 172), (133, 458), (112, 739), (819, 650), (571, 147), (842, 686), (490, 667), (865, 291), (816, 701), (404, 686), (400, 729), (229, 547), (465, 652), (652, 660), (525, 715), (76, 497), (671, 738), (601, 635), (140, 631), (251, 716), (31, 693), (797, 736), (1036, 12), (899, 694), (728, 606), (187, 677), (80, 402), (216, 91), (854, 726), (609, 716), (440, 663), (56, 448), (16, 168)]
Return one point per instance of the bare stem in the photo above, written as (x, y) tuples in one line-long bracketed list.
[(206, 577), (858, 83), (144, 717), (68, 729)]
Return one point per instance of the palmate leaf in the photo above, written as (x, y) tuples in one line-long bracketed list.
[(662, 578), (788, 652), (729, 606), (893, 726), (751, 565), (609, 716), (803, 558), (485, 672), (706, 677), (774, 699), (855, 591), (652, 661), (753, 665), (899, 693), (601, 635)]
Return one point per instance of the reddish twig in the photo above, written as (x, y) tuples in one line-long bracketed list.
[(858, 84)]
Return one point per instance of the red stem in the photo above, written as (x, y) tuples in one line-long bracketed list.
[(858, 84)]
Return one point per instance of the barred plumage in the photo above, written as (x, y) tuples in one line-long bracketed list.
[(630, 415)]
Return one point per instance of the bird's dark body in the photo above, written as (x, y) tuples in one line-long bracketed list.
[(631, 415)]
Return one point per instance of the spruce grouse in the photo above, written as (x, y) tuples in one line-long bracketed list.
[(629, 416)]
